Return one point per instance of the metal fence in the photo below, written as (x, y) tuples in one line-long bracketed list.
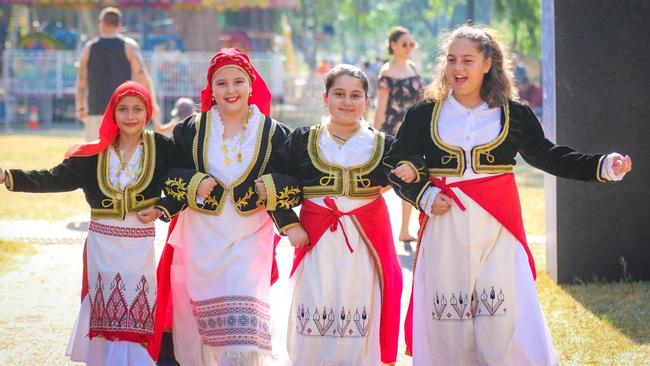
[(46, 79)]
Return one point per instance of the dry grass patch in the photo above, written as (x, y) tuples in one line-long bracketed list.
[(37, 151), (12, 254)]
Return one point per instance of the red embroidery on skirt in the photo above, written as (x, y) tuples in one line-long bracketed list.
[(115, 315), (122, 232)]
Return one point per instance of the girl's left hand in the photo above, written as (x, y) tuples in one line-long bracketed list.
[(405, 172), (260, 188), (148, 215), (621, 164)]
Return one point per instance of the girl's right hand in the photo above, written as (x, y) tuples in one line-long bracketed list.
[(297, 236), (205, 187), (441, 204), (2, 175), (260, 188)]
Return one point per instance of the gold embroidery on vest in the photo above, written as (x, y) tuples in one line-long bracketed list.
[(454, 152), (288, 197), (243, 201), (176, 188), (487, 149)]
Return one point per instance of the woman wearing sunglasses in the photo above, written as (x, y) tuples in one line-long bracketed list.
[(399, 88)]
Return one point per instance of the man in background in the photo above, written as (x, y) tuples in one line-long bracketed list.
[(106, 62)]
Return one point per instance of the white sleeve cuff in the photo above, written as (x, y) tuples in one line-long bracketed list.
[(427, 199), (607, 171)]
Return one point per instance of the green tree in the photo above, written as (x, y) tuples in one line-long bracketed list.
[(523, 19)]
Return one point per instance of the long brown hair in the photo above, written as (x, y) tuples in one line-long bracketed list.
[(497, 87)]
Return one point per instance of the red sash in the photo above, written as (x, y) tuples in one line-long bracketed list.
[(495, 194), (375, 224)]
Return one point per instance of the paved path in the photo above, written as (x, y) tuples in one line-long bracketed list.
[(40, 299)]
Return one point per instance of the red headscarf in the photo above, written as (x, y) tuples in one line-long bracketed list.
[(108, 130), (261, 95)]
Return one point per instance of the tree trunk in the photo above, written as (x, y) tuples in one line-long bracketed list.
[(198, 29)]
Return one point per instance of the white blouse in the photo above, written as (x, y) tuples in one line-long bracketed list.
[(216, 162), (120, 177)]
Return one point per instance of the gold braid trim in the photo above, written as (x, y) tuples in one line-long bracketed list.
[(163, 209), (288, 226), (486, 149), (243, 201), (193, 187), (271, 192), (454, 152), (599, 169), (269, 147), (133, 191), (195, 142), (417, 199), (9, 180), (415, 169)]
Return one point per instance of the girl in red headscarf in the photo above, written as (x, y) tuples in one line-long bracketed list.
[(121, 174), (220, 252)]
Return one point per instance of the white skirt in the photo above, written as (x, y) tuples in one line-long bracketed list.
[(220, 282), (122, 292), (336, 308), (474, 299)]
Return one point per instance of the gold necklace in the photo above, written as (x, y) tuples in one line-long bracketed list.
[(340, 140), (227, 160)]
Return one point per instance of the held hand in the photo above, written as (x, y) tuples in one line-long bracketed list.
[(148, 215), (205, 187), (297, 236), (2, 175), (405, 172), (260, 188), (621, 164), (441, 204)]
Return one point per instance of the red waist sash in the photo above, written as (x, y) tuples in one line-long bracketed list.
[(498, 196), (375, 226)]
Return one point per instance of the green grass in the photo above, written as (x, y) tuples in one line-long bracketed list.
[(37, 151), (13, 254), (596, 323)]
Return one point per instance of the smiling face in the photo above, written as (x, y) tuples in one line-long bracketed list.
[(346, 100), (403, 46), (131, 115), (230, 90), (465, 68)]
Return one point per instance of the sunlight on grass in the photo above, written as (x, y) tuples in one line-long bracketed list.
[(596, 324), (13, 254), (37, 151)]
